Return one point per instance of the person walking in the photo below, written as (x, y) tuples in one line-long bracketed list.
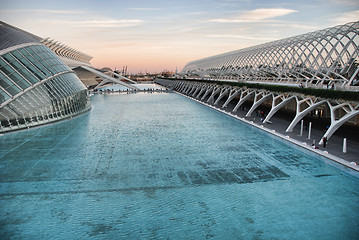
[(325, 141)]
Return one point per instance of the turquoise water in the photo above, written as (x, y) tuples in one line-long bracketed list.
[(160, 166)]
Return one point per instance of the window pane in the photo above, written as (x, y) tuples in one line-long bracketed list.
[(8, 58), (8, 85), (32, 69), (3, 96), (7, 69), (19, 80)]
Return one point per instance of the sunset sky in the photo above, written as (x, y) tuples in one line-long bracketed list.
[(157, 35)]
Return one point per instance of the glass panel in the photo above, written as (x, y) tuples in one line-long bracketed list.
[(19, 80), (3, 96), (17, 54), (32, 68), (24, 52), (8, 85), (9, 58), (2, 62), (6, 69)]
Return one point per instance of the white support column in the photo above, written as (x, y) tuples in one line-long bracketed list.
[(284, 100), (245, 95), (259, 98), (191, 87), (344, 145), (300, 114), (214, 92), (335, 124), (181, 87), (203, 89), (301, 127), (232, 95), (196, 91), (310, 130), (186, 88), (209, 89), (223, 93)]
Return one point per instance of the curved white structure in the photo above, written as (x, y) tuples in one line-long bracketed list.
[(36, 86), (328, 57)]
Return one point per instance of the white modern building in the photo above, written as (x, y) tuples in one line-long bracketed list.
[(36, 86)]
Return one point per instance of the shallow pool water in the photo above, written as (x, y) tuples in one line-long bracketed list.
[(160, 166)]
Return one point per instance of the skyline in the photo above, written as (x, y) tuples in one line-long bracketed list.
[(152, 36)]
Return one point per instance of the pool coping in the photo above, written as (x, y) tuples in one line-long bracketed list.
[(285, 137)]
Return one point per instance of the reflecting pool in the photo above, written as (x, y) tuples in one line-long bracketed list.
[(160, 166)]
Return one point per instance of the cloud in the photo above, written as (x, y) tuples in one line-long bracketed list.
[(345, 2), (256, 15), (42, 11), (239, 37), (346, 17), (145, 9), (110, 23)]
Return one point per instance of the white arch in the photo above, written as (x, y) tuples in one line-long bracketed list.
[(285, 99), (245, 95), (335, 124), (223, 93), (312, 104), (262, 95)]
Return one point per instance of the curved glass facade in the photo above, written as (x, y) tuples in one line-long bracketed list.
[(36, 87), (326, 56)]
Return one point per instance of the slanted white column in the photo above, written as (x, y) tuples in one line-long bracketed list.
[(203, 89), (335, 124), (189, 90), (223, 93), (198, 88), (312, 104), (214, 92), (193, 89), (181, 87), (209, 89), (188, 87), (259, 98), (283, 100), (232, 95), (245, 95)]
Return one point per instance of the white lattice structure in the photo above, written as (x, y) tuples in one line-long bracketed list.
[(67, 52), (328, 56)]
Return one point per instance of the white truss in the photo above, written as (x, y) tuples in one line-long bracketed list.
[(328, 56)]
